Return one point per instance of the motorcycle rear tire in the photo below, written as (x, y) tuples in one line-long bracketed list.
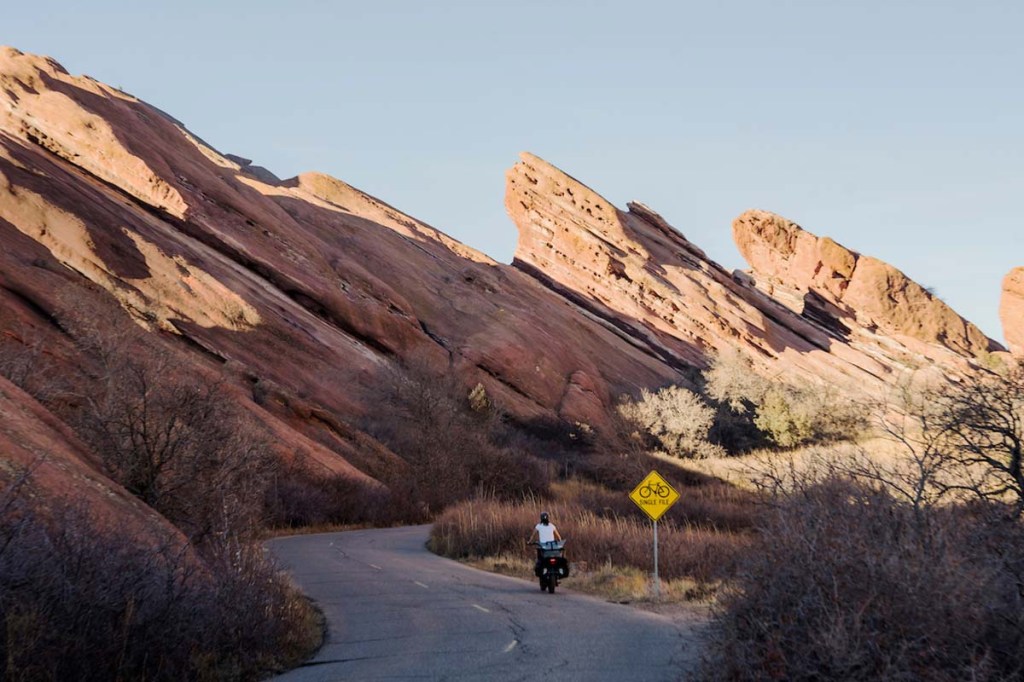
[(551, 585)]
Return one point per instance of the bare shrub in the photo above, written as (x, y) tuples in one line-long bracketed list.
[(799, 415), (847, 582), (299, 496), (679, 419), (447, 444), (19, 357), (909, 419), (24, 361), (982, 421), (959, 441), (789, 414), (79, 601), (179, 445), (731, 379)]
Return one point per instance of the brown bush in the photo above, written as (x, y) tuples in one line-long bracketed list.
[(178, 443), (78, 602), (451, 447), (847, 583), (298, 496)]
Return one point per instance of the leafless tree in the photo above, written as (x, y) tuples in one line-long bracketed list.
[(23, 361), (176, 442), (981, 422), (910, 420), (10, 498)]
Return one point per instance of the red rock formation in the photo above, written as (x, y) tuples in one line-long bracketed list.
[(1011, 310), (307, 291), (634, 269), (817, 276)]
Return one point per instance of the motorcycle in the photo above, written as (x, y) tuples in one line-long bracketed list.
[(552, 565)]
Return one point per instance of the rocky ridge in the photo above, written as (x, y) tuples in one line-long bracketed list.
[(809, 308), (306, 291), (821, 279)]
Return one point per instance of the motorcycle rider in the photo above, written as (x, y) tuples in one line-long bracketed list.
[(544, 531)]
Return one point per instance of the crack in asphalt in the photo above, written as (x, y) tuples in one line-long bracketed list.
[(516, 628)]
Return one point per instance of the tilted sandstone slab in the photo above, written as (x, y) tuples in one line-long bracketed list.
[(1011, 310), (43, 104), (636, 271), (823, 279)]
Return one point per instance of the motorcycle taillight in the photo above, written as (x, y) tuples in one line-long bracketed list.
[(553, 561)]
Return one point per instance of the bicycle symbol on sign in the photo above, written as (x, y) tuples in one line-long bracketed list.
[(654, 488)]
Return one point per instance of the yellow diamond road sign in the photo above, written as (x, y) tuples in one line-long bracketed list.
[(654, 495)]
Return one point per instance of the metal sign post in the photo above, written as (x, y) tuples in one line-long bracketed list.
[(657, 583), (654, 495)]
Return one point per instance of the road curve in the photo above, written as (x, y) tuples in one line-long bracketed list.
[(397, 612)]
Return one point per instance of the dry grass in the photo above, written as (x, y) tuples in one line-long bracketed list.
[(741, 471), (491, 528), (620, 584)]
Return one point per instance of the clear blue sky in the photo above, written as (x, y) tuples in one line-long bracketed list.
[(893, 126)]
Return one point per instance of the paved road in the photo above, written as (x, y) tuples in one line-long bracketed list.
[(397, 612)]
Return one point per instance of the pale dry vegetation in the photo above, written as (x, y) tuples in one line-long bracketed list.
[(788, 414), (740, 411), (679, 419), (477, 529)]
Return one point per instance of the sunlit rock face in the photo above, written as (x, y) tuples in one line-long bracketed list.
[(808, 308), (817, 273), (1011, 310)]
